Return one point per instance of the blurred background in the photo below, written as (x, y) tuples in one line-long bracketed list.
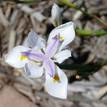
[(86, 69)]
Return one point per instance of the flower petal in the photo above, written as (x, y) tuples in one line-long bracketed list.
[(56, 15), (33, 70), (33, 40), (52, 48), (49, 66), (15, 58), (33, 55), (62, 55), (57, 88), (66, 31)]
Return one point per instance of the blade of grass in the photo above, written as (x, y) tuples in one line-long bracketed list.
[(88, 32)]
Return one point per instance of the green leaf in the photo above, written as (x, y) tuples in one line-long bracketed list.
[(88, 33)]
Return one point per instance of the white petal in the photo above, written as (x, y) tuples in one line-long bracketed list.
[(62, 55), (57, 89), (33, 70), (66, 31), (56, 14), (33, 40), (13, 58)]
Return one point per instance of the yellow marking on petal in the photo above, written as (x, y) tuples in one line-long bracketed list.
[(23, 57), (56, 78), (61, 38)]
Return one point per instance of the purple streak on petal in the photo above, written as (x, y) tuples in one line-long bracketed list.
[(53, 46), (36, 56), (49, 67), (26, 53)]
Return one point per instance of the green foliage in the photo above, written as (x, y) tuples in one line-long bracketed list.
[(84, 70), (68, 3), (87, 32)]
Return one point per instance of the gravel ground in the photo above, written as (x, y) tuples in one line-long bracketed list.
[(86, 69)]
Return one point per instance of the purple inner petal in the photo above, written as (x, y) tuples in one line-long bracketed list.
[(36, 56), (49, 67), (53, 46)]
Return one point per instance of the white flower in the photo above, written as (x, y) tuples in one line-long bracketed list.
[(35, 56), (56, 15)]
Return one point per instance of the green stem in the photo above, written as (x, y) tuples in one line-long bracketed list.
[(68, 3), (29, 2), (84, 70), (72, 5), (87, 32)]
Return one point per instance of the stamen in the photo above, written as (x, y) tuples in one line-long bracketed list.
[(61, 38), (58, 37)]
